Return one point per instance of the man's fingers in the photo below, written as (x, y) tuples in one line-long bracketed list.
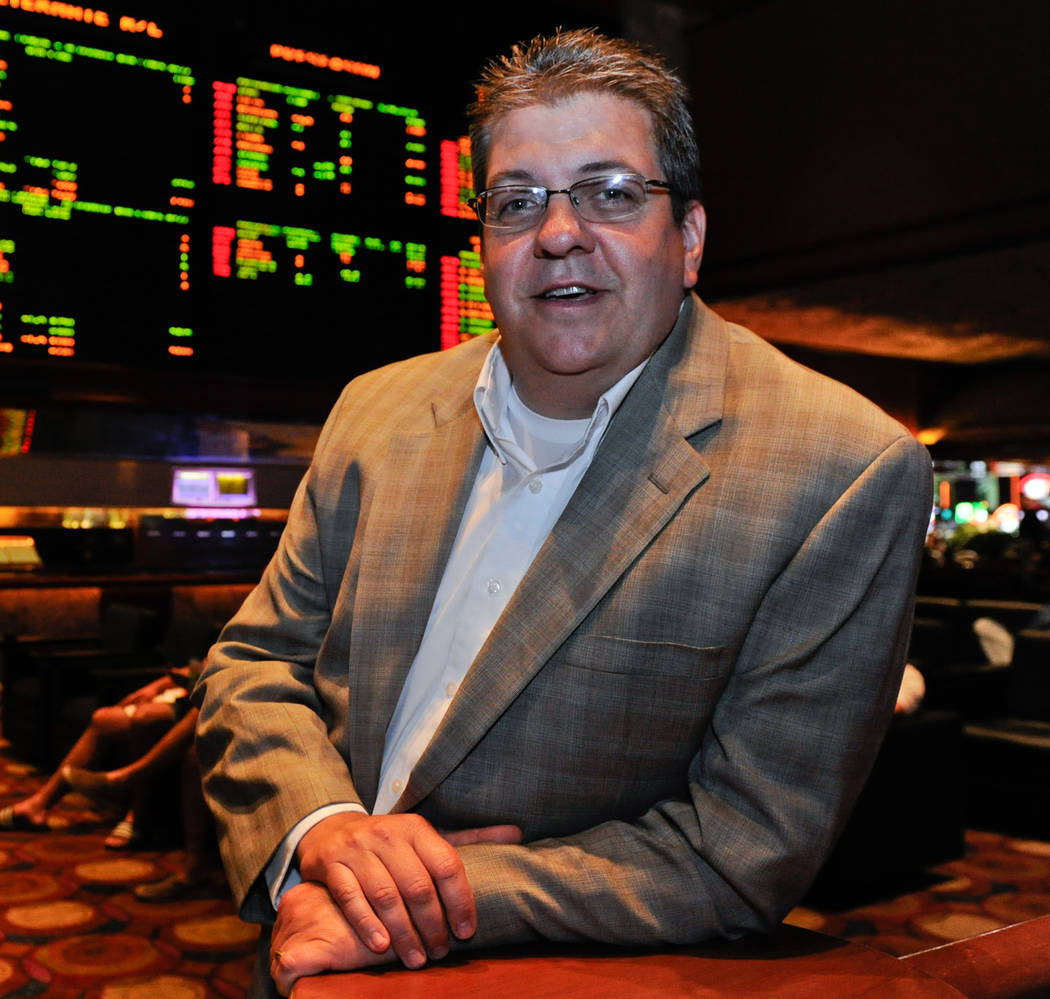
[(310, 936), (484, 834), (346, 891), (432, 886), (449, 877), (396, 870)]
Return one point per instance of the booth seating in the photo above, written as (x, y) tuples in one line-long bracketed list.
[(945, 648), (51, 686), (1007, 753), (41, 675)]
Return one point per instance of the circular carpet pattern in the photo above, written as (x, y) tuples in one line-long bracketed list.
[(52, 917), (116, 870), (28, 886), (155, 987), (955, 886), (7, 971), (218, 933), (64, 849), (234, 978), (99, 954), (947, 926), (1032, 847), (167, 912), (71, 928), (1009, 866), (999, 880), (1015, 907)]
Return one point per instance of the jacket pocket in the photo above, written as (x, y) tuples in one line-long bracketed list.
[(634, 657)]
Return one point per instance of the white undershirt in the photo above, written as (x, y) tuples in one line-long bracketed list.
[(527, 475)]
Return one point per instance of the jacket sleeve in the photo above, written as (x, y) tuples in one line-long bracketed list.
[(792, 740), (263, 733)]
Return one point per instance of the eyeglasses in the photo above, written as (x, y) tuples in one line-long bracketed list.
[(615, 198)]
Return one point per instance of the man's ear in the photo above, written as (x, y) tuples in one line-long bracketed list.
[(694, 228)]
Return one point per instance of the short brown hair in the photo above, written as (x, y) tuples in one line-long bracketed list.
[(549, 69)]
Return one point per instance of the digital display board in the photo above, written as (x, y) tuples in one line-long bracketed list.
[(228, 194)]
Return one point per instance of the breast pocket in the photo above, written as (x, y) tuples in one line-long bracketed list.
[(631, 711), (634, 657)]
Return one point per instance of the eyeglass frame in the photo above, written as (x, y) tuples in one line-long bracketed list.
[(475, 202)]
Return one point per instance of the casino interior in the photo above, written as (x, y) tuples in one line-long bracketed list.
[(178, 313)]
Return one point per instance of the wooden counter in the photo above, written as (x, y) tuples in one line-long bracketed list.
[(792, 964)]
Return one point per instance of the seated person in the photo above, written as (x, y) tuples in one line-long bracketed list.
[(157, 723), (200, 872)]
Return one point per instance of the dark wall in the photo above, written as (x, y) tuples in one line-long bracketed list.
[(841, 136)]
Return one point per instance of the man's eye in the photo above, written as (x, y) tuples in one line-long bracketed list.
[(516, 206), (609, 194)]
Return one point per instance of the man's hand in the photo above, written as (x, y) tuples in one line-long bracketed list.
[(310, 935), (398, 882)]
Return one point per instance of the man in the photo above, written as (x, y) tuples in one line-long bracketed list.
[(588, 631)]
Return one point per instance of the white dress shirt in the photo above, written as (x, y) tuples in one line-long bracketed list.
[(528, 473)]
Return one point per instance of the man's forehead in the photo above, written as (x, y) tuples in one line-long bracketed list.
[(585, 133)]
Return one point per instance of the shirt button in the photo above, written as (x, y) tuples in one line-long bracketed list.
[(450, 689), (397, 786), (494, 586), (536, 486)]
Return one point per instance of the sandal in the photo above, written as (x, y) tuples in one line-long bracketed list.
[(123, 836), (18, 821)]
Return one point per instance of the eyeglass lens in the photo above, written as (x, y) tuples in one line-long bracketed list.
[(597, 199)]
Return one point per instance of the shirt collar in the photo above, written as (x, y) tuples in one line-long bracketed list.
[(492, 393)]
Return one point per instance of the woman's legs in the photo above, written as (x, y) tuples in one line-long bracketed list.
[(150, 753), (106, 725)]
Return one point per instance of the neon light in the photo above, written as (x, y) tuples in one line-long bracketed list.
[(250, 87), (65, 11), (222, 132), (1036, 486), (321, 61), (184, 262), (221, 241), (45, 48), (464, 311), (139, 27), (411, 113)]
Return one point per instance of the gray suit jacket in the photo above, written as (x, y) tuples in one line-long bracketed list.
[(682, 698)]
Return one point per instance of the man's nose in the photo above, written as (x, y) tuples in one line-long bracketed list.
[(562, 229)]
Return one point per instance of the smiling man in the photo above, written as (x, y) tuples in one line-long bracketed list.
[(582, 301), (589, 630)]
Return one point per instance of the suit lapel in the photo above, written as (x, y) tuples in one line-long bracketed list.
[(641, 474), (404, 550)]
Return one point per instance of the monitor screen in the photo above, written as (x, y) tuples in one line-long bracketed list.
[(276, 196), (213, 487)]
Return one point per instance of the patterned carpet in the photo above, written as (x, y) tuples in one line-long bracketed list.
[(71, 928), (998, 881)]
